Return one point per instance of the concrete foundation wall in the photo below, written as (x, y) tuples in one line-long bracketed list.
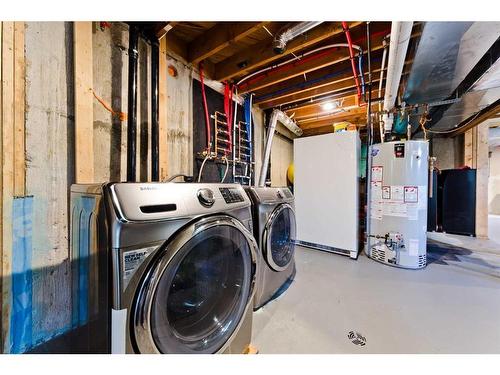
[(49, 172), (448, 151)]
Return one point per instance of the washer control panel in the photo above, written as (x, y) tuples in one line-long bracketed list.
[(231, 195)]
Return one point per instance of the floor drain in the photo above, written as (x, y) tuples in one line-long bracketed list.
[(357, 338)]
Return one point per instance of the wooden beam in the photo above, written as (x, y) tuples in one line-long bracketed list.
[(360, 121), (84, 145), (164, 28), (262, 53), (331, 89), (176, 46), (301, 67), (330, 119), (7, 162), (19, 111), (162, 109), (219, 37)]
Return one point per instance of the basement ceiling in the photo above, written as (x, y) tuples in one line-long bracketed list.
[(313, 82)]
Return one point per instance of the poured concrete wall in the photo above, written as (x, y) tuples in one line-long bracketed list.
[(448, 151), (49, 172)]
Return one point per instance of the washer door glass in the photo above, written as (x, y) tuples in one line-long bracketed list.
[(281, 238), (203, 293)]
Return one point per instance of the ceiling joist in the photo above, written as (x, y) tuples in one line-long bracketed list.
[(219, 37), (262, 54)]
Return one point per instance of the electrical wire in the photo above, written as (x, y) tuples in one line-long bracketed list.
[(202, 165), (227, 168)]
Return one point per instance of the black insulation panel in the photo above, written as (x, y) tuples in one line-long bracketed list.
[(213, 170)]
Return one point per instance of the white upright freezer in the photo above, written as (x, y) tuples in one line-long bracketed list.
[(326, 189)]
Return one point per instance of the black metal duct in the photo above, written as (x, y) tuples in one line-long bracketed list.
[(133, 55), (155, 130)]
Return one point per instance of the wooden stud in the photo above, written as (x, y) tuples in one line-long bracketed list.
[(1, 193), (7, 171), (84, 145), (162, 109), (19, 111), (262, 53), (219, 37)]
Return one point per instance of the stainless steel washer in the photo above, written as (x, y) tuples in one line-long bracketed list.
[(274, 230), (183, 264)]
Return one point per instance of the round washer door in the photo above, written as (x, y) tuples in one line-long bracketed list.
[(195, 294), (279, 237)]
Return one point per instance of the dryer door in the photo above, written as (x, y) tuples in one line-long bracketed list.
[(279, 237), (194, 296)]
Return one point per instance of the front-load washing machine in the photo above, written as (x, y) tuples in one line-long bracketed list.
[(182, 262), (274, 230)]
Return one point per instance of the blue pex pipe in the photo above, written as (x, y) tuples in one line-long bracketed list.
[(21, 322)]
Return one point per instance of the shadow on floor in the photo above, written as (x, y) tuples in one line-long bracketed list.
[(446, 254)]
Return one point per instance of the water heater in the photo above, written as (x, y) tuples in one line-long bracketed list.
[(398, 204)]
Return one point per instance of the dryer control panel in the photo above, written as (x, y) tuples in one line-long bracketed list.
[(231, 195)]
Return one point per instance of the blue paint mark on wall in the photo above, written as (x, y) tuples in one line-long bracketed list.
[(21, 324)]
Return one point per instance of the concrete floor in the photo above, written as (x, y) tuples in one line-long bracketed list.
[(451, 306)]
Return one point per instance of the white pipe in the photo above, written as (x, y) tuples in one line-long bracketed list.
[(400, 37), (358, 48), (276, 116)]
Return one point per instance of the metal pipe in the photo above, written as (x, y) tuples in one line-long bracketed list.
[(276, 116), (368, 172), (155, 129), (398, 46), (132, 103), (283, 37)]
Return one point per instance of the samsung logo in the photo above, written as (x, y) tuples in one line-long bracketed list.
[(148, 188)]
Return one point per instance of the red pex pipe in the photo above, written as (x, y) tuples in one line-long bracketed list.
[(205, 107), (351, 55)]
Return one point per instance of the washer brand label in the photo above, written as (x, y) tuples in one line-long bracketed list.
[(132, 261)]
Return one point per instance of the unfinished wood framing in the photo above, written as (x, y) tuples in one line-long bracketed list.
[(263, 54), (219, 37), (476, 157), (84, 147), (162, 110)]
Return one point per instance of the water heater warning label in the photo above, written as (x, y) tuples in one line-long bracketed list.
[(377, 173), (411, 194)]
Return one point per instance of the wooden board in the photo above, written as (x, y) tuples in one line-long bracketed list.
[(7, 171), (162, 110), (84, 147), (19, 112)]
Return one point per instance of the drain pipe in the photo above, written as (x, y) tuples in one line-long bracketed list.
[(155, 129), (276, 116), (132, 102), (283, 37), (398, 45)]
